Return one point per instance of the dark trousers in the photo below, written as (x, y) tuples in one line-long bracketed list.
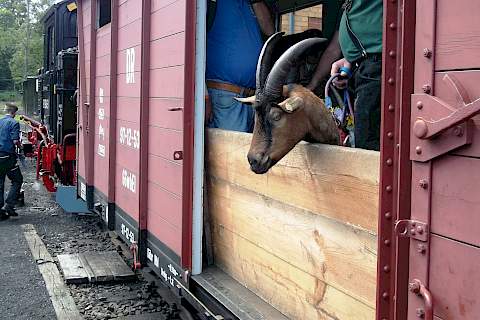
[(368, 92), (10, 168)]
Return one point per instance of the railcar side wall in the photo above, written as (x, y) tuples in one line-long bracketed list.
[(146, 110)]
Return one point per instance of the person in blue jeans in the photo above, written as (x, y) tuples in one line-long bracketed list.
[(234, 42), (9, 138)]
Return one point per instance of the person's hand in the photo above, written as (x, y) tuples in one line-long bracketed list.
[(340, 82)]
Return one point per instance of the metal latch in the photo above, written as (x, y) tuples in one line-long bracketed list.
[(417, 287), (412, 229)]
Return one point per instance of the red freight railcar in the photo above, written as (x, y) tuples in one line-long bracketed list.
[(140, 146)]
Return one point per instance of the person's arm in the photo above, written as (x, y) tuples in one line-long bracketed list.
[(331, 54), (264, 17), (15, 135)]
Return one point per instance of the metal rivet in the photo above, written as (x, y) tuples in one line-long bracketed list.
[(391, 107), (423, 184), (427, 53), (420, 128), (420, 313), (392, 25), (414, 287), (388, 188), (385, 296), (418, 150), (388, 215), (420, 230), (391, 81), (389, 162), (421, 248), (458, 131), (419, 105), (427, 88), (392, 54), (387, 243), (413, 232), (390, 135), (386, 269)]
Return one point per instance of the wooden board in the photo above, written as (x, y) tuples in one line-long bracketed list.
[(339, 183), (94, 267), (63, 303), (294, 249), (303, 236), (72, 268)]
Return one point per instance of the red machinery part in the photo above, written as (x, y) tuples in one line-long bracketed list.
[(48, 183)]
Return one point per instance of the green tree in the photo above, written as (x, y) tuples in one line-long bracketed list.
[(20, 28)]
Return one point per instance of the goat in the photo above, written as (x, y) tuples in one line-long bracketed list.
[(284, 114)]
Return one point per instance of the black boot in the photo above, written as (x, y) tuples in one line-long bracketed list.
[(11, 211), (3, 215)]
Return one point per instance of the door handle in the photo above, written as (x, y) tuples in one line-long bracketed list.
[(425, 129), (417, 287)]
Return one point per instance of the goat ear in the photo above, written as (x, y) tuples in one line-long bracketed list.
[(291, 104), (248, 100)]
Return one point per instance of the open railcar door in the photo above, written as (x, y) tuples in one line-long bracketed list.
[(443, 256)]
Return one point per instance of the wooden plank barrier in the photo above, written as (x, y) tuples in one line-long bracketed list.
[(303, 236)]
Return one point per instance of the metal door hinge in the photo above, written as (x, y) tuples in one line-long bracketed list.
[(412, 229)]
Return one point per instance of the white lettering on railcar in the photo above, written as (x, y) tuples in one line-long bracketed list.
[(149, 254), (83, 191), (164, 275), (100, 95), (106, 214), (129, 181), (130, 137), (101, 113), (101, 150), (101, 132), (130, 66), (173, 270), (128, 233), (156, 261)]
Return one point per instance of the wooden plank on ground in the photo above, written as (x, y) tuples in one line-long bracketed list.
[(95, 267), (62, 301), (339, 183), (119, 269), (73, 269), (100, 269)]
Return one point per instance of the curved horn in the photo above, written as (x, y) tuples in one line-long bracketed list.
[(264, 60), (281, 68)]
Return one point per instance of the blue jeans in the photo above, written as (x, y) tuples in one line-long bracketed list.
[(228, 113), (9, 168)]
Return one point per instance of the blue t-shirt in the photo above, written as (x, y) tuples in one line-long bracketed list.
[(234, 44), (9, 131)]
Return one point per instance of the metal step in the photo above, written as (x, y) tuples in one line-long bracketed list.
[(240, 301)]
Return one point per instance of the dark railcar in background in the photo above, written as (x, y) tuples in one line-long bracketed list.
[(58, 78), (30, 96), (54, 135)]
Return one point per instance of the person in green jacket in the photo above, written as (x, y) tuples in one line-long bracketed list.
[(360, 40)]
